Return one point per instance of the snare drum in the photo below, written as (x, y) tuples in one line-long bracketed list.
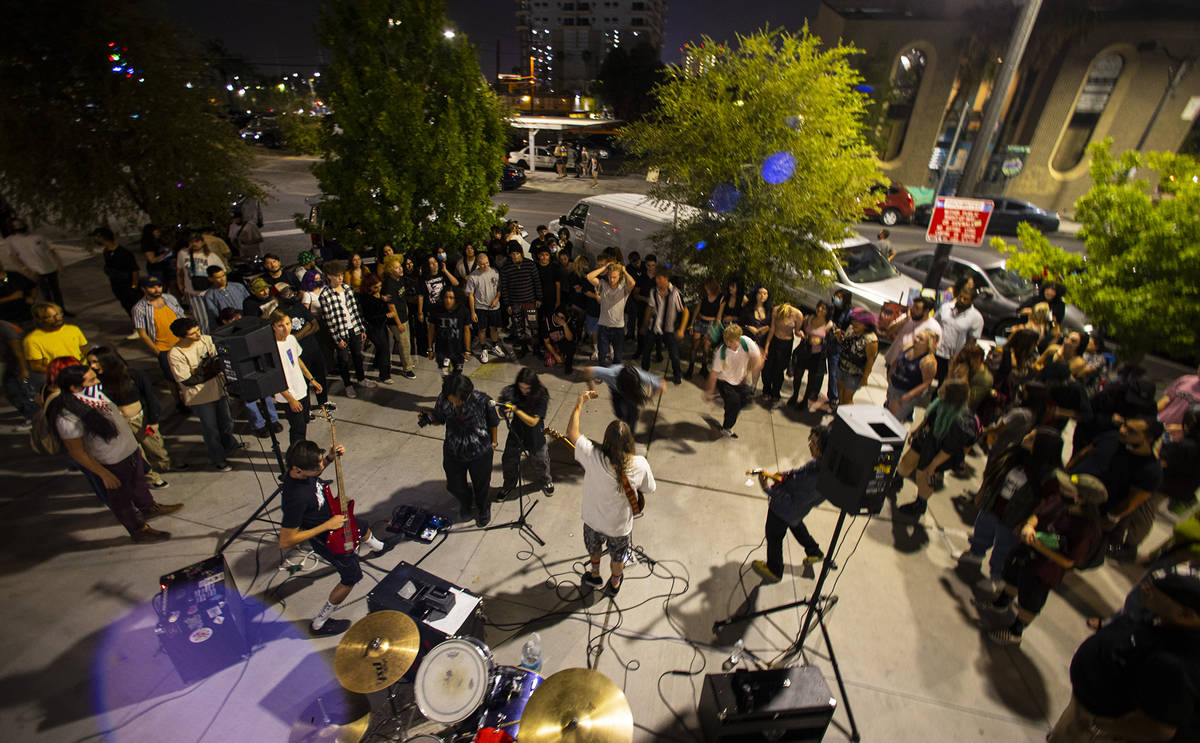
[(506, 702), (453, 680)]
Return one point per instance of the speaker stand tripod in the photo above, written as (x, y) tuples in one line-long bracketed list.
[(266, 504), (814, 603)]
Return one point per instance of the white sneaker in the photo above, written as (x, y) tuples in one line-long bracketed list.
[(594, 357), (369, 384), (483, 356), (350, 392), (133, 336), (496, 349), (445, 371), (446, 363)]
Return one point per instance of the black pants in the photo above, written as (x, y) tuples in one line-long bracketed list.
[(779, 353), (566, 349), (51, 292), (353, 352), (735, 398), (776, 530), (453, 350), (382, 342), (1020, 570), (670, 341), (477, 494), (297, 422), (814, 365), (315, 361)]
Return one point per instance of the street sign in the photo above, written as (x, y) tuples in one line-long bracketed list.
[(959, 221)]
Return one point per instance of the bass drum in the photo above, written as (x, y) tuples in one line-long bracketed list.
[(453, 679)]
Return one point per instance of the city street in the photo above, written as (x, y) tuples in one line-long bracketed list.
[(81, 660)]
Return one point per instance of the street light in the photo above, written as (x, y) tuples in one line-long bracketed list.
[(448, 34)]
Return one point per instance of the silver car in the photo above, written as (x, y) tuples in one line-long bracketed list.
[(864, 271)]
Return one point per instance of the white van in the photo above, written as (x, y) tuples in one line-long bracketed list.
[(628, 220), (624, 220)]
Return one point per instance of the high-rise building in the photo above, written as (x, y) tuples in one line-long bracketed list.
[(567, 40)]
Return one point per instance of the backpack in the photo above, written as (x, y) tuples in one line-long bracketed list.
[(1095, 558), (725, 348), (43, 439)]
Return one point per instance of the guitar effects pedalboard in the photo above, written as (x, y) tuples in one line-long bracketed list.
[(417, 524)]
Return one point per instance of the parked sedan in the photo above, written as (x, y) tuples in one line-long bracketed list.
[(512, 178), (1008, 213), (544, 157), (1002, 292), (864, 271)]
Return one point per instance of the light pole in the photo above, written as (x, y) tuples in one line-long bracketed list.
[(1175, 72)]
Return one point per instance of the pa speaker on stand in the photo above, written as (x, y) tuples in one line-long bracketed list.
[(858, 471), (252, 367)]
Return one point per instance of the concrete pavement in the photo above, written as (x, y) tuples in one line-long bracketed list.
[(80, 656)]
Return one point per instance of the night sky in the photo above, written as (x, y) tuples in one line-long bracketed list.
[(277, 35)]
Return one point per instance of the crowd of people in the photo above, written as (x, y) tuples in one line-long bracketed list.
[(1040, 512)]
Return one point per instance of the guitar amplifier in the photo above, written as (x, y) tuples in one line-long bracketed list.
[(201, 623), (441, 609), (778, 704)]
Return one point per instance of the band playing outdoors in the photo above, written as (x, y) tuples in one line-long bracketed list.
[(1038, 514)]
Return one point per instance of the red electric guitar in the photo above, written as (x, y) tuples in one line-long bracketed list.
[(345, 540)]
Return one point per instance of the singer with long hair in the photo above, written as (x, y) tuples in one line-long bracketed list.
[(471, 427), (611, 470), (526, 400)]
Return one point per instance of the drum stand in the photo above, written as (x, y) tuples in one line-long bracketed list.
[(521, 523)]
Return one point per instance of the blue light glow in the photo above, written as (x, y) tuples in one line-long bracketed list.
[(701, 245), (778, 168), (724, 199)]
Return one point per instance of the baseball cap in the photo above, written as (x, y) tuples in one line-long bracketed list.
[(147, 281), (259, 284), (862, 315)]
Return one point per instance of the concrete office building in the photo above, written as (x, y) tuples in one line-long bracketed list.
[(1123, 69), (567, 40)]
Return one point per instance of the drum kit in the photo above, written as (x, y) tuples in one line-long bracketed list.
[(460, 686)]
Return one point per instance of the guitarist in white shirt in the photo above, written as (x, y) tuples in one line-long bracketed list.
[(308, 517), (612, 474)]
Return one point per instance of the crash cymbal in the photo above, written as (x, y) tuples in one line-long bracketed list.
[(577, 706), (376, 651), (351, 732)]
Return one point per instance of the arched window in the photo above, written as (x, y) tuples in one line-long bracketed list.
[(906, 83), (1101, 80)]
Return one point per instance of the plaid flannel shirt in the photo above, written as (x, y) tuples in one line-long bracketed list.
[(340, 312)]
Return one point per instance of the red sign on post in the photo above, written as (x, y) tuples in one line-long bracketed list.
[(959, 221)]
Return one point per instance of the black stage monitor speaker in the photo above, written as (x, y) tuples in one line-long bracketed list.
[(440, 608), (201, 623), (778, 704), (250, 358), (859, 471)]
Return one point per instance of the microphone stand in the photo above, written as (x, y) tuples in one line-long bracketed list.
[(521, 523)]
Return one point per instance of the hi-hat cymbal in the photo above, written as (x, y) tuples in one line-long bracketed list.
[(376, 651), (577, 706), (351, 732)]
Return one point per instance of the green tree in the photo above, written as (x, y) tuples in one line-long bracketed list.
[(419, 143), (100, 123), (730, 122), (1141, 224)]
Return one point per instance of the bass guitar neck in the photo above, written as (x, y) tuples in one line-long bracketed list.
[(344, 540)]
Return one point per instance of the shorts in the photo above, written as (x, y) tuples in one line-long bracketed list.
[(347, 565), (592, 324), (905, 408), (594, 541), (489, 319), (852, 382), (701, 327)]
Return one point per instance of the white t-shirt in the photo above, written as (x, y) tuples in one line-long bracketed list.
[(605, 507), (105, 452), (736, 364), (289, 355), (33, 251), (956, 326)]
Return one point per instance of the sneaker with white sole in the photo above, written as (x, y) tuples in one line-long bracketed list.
[(350, 392), (483, 356), (496, 349), (594, 357), (1004, 637), (369, 384)]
